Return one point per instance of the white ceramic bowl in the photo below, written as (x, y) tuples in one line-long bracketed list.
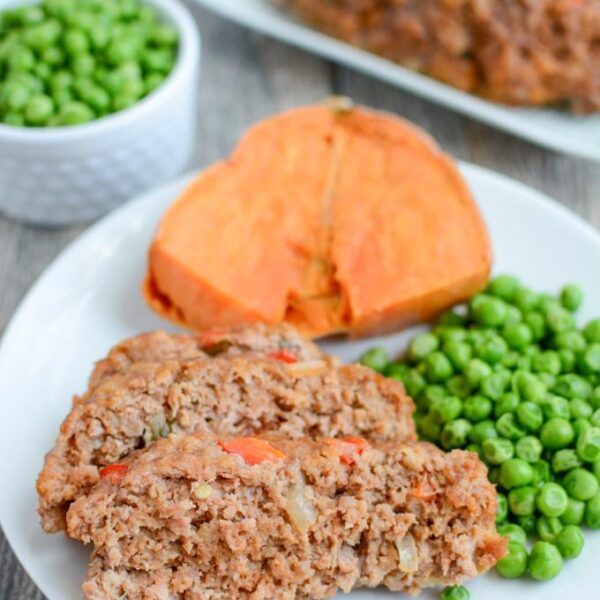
[(65, 175)]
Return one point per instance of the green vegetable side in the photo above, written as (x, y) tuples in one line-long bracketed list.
[(512, 378), (68, 62)]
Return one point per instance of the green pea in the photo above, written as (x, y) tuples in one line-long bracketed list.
[(537, 324), (533, 390), (376, 359), (513, 315), (422, 345), (529, 449), (43, 35), (510, 360), (517, 335), (541, 473), (571, 297), (492, 350), (527, 523), (38, 110), (570, 542), (451, 317), (431, 428), (501, 509), (508, 427), (596, 470), (570, 340), (556, 434), (514, 564), (525, 299), (60, 98), (548, 528), (555, 406), (53, 56), (592, 332), (437, 367), (153, 81), (76, 42), (581, 484), (122, 101), (493, 473), (547, 380), (515, 472), (521, 501), (488, 311), (14, 96), (595, 398), (496, 451), (83, 65), (397, 370), (21, 58), (494, 385), (454, 434), (507, 403), (477, 408), (580, 409), (474, 448), (99, 38), (484, 430), (588, 445), (547, 303), (477, 370), (581, 425), (125, 49), (459, 353), (455, 592), (592, 512), (160, 60), (414, 383), (14, 119), (558, 319), (163, 35), (573, 386), (75, 113), (589, 361), (547, 362), (446, 408), (574, 512), (552, 500), (565, 460), (529, 415), (513, 532), (545, 561), (432, 393)]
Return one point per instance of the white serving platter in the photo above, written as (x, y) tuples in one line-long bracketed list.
[(555, 129)]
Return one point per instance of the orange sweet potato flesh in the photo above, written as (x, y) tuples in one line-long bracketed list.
[(332, 220)]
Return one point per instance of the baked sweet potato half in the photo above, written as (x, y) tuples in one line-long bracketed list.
[(332, 218)]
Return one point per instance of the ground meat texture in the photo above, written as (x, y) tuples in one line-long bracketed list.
[(191, 521), (524, 52), (160, 346), (237, 396)]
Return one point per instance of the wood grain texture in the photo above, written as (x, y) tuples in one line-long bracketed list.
[(246, 77)]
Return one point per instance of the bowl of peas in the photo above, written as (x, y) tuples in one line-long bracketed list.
[(97, 104)]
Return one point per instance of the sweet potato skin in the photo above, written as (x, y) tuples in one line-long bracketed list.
[(336, 221)]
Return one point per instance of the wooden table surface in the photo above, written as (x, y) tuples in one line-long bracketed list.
[(246, 77)]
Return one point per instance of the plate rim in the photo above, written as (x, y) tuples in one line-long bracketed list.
[(540, 199), (287, 30)]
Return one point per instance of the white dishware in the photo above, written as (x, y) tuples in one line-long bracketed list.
[(64, 175), (552, 128), (89, 299)]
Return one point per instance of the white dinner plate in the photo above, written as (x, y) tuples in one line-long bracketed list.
[(555, 129), (89, 299)]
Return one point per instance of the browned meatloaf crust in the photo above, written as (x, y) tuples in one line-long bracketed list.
[(527, 52), (159, 346), (191, 521), (237, 395)]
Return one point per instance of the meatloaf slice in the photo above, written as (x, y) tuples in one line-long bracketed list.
[(236, 395), (207, 518), (160, 346)]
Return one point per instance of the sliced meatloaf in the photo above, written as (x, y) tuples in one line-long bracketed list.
[(160, 346), (526, 52), (237, 396), (201, 518)]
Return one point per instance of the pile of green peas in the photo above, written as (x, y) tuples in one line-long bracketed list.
[(68, 62), (511, 377)]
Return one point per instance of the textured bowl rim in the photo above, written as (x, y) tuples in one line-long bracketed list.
[(189, 48)]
